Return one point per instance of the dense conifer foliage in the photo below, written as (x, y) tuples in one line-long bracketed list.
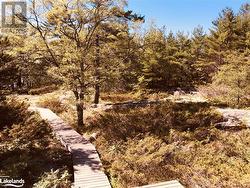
[(94, 46)]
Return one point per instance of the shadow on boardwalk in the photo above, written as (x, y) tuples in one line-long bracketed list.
[(88, 171)]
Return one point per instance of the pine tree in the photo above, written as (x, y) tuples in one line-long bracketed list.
[(116, 37), (76, 26), (200, 74), (235, 77), (155, 71), (167, 61)]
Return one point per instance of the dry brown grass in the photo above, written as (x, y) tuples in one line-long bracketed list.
[(28, 150), (118, 97), (43, 90), (125, 97), (53, 103), (172, 141)]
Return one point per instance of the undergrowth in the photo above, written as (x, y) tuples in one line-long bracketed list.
[(137, 96), (62, 109), (28, 149), (53, 103), (43, 90), (171, 141)]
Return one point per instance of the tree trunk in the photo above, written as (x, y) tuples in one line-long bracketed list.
[(97, 73), (97, 94), (79, 108)]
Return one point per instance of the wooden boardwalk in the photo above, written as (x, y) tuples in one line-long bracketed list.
[(88, 172), (168, 184)]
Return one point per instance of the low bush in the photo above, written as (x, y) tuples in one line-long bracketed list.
[(125, 97), (157, 120), (43, 90), (12, 112), (54, 179), (27, 147), (118, 97), (53, 103), (171, 141)]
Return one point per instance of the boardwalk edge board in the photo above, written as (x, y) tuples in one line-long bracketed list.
[(85, 157)]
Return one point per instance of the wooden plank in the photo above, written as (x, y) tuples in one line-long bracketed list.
[(88, 171), (168, 184)]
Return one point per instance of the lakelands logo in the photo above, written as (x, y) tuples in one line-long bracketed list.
[(6, 181)]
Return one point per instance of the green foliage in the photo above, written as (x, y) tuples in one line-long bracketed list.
[(200, 66), (231, 83), (171, 61), (91, 55), (27, 148), (171, 141), (165, 63), (228, 34)]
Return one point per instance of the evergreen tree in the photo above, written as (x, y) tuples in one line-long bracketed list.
[(155, 65), (200, 74), (167, 61), (76, 25), (235, 77)]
